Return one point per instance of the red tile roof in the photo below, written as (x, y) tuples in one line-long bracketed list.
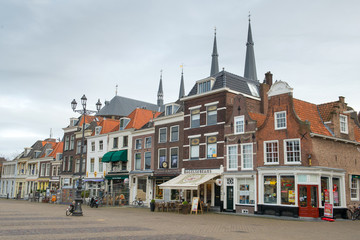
[(108, 125), (139, 117), (357, 133), (89, 119), (58, 148), (325, 110), (260, 118), (308, 111)]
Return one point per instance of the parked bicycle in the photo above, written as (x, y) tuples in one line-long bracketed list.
[(138, 202), (70, 209), (353, 212)]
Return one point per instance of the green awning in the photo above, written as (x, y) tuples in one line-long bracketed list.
[(116, 176), (115, 156)]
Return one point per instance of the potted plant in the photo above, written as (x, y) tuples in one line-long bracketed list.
[(185, 207), (152, 205)]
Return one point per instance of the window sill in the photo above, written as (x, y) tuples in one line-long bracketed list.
[(292, 163), (275, 163)]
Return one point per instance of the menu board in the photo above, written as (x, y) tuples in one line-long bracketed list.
[(194, 204)]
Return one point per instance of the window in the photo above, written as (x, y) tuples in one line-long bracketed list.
[(162, 135), (354, 190), (280, 120), (98, 130), (336, 192), (162, 158), (137, 161), (125, 141), (64, 164), (204, 86), (147, 160), (93, 146), (92, 164), (47, 172), (292, 151), (101, 166), (288, 190), (247, 156), (72, 142), (54, 172), (48, 151), (239, 125), (253, 89), (123, 123), (101, 145), (194, 148), (115, 142), (195, 118), (59, 156), (138, 144), (42, 171), (344, 124), (171, 109), (271, 152), (78, 148), (66, 147), (70, 163), (37, 154), (211, 147), (246, 191), (77, 165), (211, 115), (83, 166), (148, 142), (270, 189), (325, 193), (174, 133), (174, 157), (158, 191), (232, 157)]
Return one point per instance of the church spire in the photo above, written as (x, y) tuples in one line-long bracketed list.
[(214, 59), (182, 88), (160, 95), (250, 66)]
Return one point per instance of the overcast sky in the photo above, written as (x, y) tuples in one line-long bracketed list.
[(56, 50)]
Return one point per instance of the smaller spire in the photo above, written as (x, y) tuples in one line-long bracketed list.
[(116, 90), (182, 88), (160, 95), (214, 60)]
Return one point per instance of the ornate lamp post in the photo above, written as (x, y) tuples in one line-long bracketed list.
[(83, 112)]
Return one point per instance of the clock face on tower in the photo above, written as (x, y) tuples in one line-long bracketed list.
[(164, 164)]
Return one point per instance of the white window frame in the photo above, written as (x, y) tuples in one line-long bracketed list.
[(135, 161), (285, 151), (48, 169), (67, 142), (265, 153), (344, 121), (354, 188), (228, 158), (93, 146), (191, 149), (146, 142), (42, 171), (251, 155), (165, 135), (72, 142), (159, 166), (92, 165), (207, 147), (145, 160), (101, 145), (207, 114), (138, 143), (276, 117), (192, 115), (238, 119), (177, 165), (98, 130), (171, 133)]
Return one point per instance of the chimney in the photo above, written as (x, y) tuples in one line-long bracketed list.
[(341, 99), (264, 88), (268, 78)]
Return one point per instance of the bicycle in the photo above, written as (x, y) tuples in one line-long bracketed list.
[(137, 202), (353, 212)]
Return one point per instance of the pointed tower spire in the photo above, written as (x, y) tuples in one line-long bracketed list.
[(250, 66), (160, 95), (214, 59), (182, 88)]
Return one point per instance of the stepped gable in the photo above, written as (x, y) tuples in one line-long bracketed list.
[(122, 106), (326, 109), (233, 82), (309, 111)]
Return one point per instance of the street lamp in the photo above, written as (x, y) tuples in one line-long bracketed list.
[(83, 112)]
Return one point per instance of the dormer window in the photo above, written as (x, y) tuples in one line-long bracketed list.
[(48, 151), (98, 130), (59, 156), (37, 154), (124, 122), (344, 124), (171, 109), (253, 89), (205, 85)]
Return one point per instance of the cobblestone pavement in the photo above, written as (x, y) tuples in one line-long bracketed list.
[(27, 220)]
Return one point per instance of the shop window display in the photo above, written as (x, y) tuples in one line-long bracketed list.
[(270, 189), (336, 192), (158, 191), (175, 194), (325, 194), (246, 190), (288, 190)]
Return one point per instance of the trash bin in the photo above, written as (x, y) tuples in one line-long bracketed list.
[(221, 206)]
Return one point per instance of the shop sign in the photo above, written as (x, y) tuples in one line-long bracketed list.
[(218, 182), (291, 196), (198, 171), (328, 210)]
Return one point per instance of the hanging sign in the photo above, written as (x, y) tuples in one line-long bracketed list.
[(218, 182)]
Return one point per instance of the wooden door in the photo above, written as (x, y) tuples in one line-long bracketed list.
[(230, 198), (308, 201)]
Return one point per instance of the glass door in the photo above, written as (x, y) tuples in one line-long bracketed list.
[(308, 201), (230, 198)]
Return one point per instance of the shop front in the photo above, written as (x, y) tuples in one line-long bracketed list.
[(301, 191), (95, 186), (117, 190), (240, 192), (194, 183), (141, 186)]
